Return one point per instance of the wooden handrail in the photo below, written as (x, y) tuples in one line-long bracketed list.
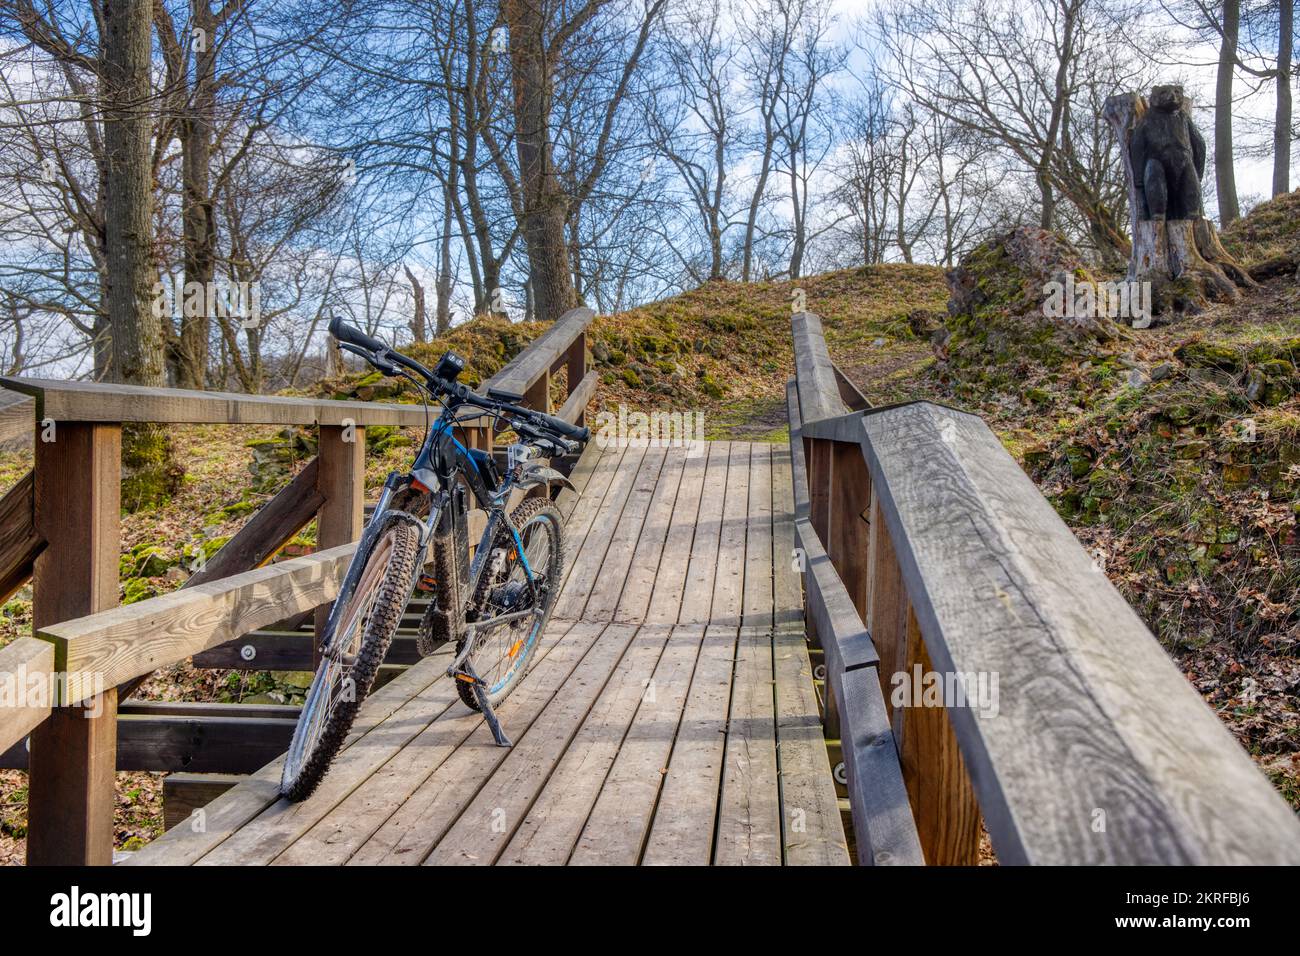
[(102, 402), (62, 525), (1091, 747), (882, 818), (1090, 706), (544, 354), (27, 688), (819, 393), (106, 649)]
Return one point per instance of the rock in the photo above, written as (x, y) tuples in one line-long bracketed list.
[(299, 679), (1206, 355), (1254, 385), (1162, 371), (1188, 450), (600, 352), (999, 298)]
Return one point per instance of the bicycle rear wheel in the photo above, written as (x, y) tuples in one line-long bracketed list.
[(351, 655), (503, 654)]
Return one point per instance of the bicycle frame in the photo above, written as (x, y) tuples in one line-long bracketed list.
[(440, 459)]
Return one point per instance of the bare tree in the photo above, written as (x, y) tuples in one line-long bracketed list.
[(1016, 74)]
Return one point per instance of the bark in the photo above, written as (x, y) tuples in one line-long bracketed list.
[(443, 314), (545, 204), (1224, 178), (417, 293), (1282, 119), (198, 225), (1060, 101), (128, 193), (149, 471), (1181, 258)]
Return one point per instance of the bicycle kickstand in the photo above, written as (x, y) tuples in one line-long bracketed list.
[(462, 669)]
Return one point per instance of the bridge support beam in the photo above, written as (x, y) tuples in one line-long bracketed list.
[(74, 753)]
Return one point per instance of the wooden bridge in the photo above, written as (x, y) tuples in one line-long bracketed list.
[(720, 682)]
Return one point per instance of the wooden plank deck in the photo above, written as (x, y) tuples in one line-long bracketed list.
[(670, 718)]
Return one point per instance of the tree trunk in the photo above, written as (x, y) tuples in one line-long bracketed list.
[(128, 194), (1282, 119), (443, 317), (199, 229), (417, 293), (1225, 180), (149, 473), (1181, 258), (545, 205)]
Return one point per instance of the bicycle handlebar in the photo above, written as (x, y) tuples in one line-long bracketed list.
[(384, 358)]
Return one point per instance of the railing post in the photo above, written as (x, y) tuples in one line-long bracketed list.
[(538, 395), (938, 786), (850, 501), (576, 369), (74, 753), (340, 480)]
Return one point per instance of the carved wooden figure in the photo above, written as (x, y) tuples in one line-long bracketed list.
[(1175, 247)]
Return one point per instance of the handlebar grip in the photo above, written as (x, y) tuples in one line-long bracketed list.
[(564, 428), (353, 336)]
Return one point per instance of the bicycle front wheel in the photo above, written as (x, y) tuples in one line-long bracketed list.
[(350, 657), (518, 580)]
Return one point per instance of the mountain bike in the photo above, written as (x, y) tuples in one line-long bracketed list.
[(494, 606)]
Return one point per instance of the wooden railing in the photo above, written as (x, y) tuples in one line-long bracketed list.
[(60, 526), (932, 560)]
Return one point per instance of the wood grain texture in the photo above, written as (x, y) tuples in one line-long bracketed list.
[(639, 583), (185, 845), (938, 786), (686, 817), (408, 836), (849, 392), (819, 390), (485, 827), (183, 793), (519, 374), (26, 667), (102, 402), (603, 596), (811, 832), (620, 819), (73, 753), (727, 602), (550, 828), (628, 737), (697, 593), (575, 406), (103, 650), (882, 817), (20, 542), (749, 811), (340, 486), (1094, 721)]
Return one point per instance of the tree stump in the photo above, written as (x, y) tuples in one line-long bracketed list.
[(1181, 258)]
